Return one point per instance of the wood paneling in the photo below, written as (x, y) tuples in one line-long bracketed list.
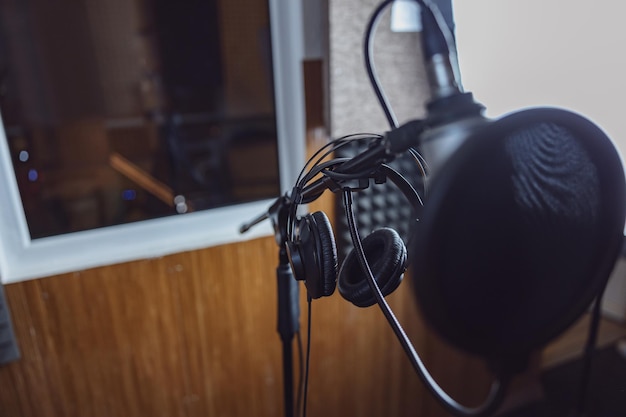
[(194, 334), (184, 335)]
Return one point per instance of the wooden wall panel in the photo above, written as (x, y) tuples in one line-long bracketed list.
[(190, 334), (194, 334)]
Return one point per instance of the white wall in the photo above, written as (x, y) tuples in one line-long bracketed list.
[(516, 53), (572, 54), (614, 301)]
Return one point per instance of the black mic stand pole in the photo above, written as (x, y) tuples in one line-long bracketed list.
[(288, 324), (288, 295)]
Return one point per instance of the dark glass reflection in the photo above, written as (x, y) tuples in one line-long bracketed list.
[(119, 111)]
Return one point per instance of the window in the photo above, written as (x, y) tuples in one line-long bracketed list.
[(138, 128)]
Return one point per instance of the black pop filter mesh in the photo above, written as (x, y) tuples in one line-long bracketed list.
[(520, 231)]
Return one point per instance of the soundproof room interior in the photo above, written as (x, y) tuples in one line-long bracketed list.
[(312, 207)]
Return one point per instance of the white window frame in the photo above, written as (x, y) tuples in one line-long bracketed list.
[(23, 258)]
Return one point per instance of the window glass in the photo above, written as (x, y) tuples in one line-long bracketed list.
[(119, 111)]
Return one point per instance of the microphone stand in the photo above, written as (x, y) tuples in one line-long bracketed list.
[(288, 324), (288, 295)]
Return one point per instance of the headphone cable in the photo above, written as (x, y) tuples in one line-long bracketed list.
[(498, 387), (301, 372), (308, 356), (368, 49), (368, 52), (590, 346)]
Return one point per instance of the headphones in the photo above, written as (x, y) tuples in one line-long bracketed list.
[(312, 250)]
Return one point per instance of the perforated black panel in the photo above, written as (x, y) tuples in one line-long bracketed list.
[(380, 205)]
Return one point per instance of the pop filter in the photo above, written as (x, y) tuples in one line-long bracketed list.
[(520, 230)]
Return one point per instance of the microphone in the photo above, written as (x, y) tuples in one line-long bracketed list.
[(522, 222), (452, 114)]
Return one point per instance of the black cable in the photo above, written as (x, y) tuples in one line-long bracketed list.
[(421, 162), (336, 145), (347, 177), (305, 176), (590, 346), (301, 373), (308, 356), (324, 167), (368, 49), (497, 391), (369, 64), (332, 146)]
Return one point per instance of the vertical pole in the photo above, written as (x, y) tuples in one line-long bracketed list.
[(288, 324)]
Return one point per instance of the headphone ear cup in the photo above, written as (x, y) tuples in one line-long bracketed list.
[(319, 254), (387, 256)]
